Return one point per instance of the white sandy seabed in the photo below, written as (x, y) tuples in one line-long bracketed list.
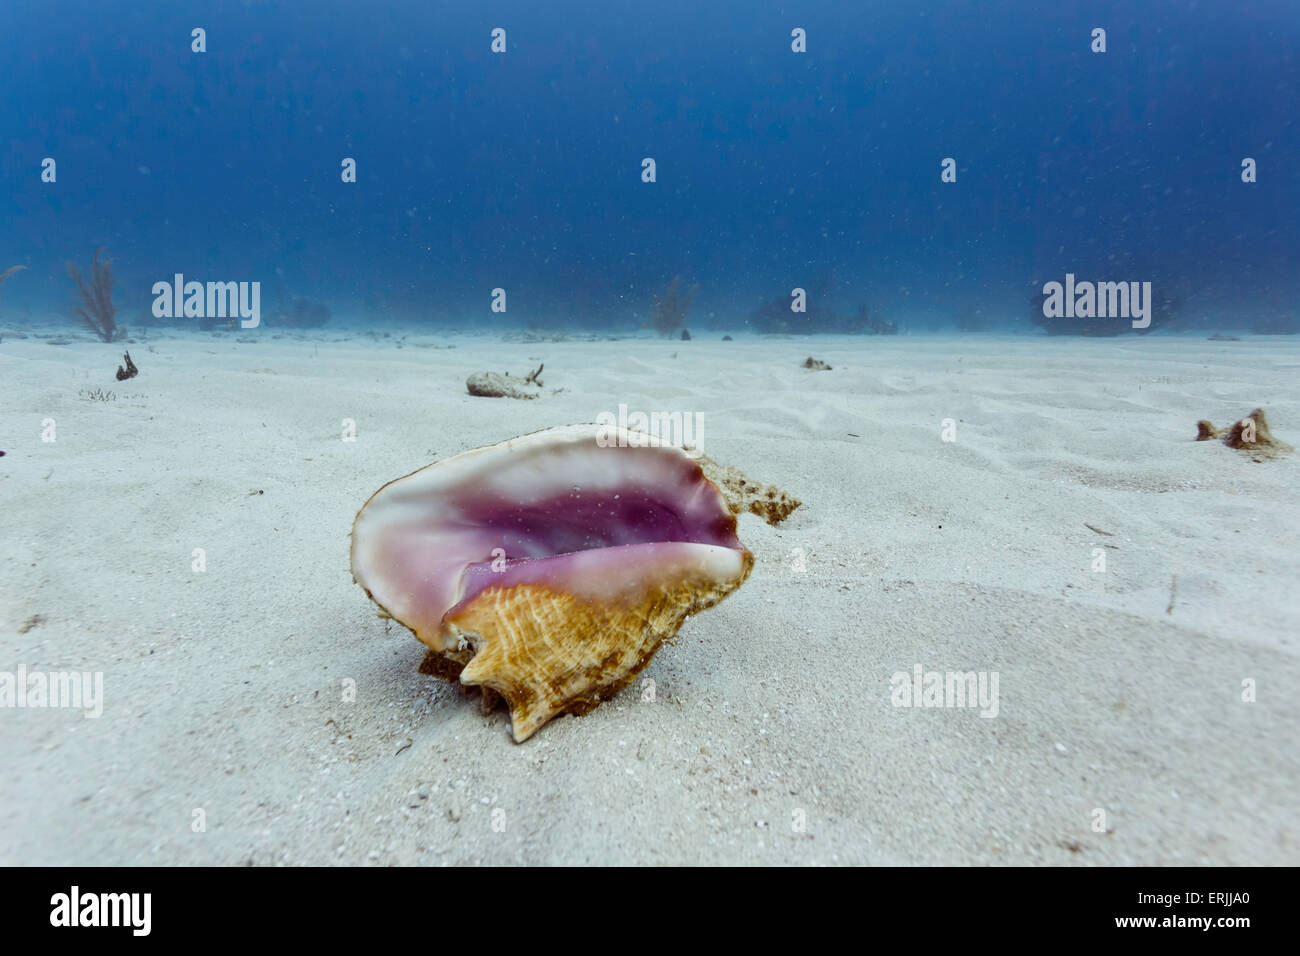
[(773, 734)]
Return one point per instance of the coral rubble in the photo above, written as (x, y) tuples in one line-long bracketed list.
[(503, 385), (129, 371), (303, 314), (1250, 435)]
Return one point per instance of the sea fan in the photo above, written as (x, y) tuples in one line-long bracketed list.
[(96, 309)]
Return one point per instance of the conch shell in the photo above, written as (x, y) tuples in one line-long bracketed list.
[(550, 568)]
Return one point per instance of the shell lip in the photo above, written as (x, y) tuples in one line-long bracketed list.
[(481, 576)]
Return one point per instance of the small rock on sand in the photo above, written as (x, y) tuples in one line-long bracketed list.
[(496, 385)]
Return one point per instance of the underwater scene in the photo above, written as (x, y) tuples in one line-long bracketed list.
[(658, 434)]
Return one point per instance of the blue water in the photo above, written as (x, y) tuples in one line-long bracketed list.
[(775, 169)]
